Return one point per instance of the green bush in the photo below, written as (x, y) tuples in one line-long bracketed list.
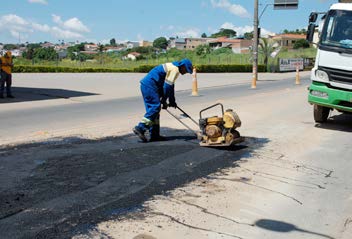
[(44, 69), (143, 68), (228, 68)]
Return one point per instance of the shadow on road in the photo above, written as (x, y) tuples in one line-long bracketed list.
[(341, 122), (24, 94), (63, 187), (279, 226)]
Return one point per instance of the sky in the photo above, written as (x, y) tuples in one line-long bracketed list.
[(134, 20)]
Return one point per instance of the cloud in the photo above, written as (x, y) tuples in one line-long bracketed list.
[(38, 1), (139, 37), (172, 30), (73, 24), (243, 29), (41, 28), (188, 33), (65, 34), (57, 19), (17, 26), (14, 23), (235, 9), (168, 28)]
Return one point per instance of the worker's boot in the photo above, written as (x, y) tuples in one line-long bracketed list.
[(157, 138), (155, 132), (139, 130)]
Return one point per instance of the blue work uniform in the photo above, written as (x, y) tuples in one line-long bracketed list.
[(156, 87)]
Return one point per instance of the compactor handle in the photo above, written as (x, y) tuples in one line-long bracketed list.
[(222, 109)]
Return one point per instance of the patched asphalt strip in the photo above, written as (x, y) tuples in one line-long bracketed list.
[(49, 218)]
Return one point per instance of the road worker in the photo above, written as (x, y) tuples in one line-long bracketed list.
[(157, 88), (6, 74)]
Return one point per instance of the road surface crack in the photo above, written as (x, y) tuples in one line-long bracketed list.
[(193, 227), (292, 179), (206, 211), (258, 186)]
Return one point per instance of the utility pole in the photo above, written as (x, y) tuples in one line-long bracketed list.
[(255, 46)]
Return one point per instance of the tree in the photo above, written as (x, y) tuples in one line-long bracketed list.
[(48, 54), (29, 53), (142, 50), (224, 33), (160, 42), (301, 43), (297, 31), (113, 42), (100, 48), (266, 47), (204, 35), (248, 35), (73, 51), (202, 50), (10, 46)]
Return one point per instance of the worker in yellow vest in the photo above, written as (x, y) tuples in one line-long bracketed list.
[(6, 65)]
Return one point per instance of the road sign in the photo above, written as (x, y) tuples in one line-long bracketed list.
[(285, 4), (290, 64)]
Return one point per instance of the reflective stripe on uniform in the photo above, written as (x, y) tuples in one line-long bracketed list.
[(147, 122), (165, 68), (168, 82)]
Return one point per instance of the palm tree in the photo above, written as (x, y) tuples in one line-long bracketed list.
[(266, 47)]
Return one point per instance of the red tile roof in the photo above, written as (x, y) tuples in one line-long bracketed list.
[(290, 35), (227, 40)]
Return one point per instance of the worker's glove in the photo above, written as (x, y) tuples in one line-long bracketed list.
[(173, 104)]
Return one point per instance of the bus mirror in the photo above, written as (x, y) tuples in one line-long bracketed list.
[(310, 32), (313, 17)]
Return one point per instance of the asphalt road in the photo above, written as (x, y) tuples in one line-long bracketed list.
[(24, 121), (289, 179)]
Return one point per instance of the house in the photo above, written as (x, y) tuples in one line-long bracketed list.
[(188, 43), (192, 43), (145, 43), (61, 47), (89, 52), (62, 53), (91, 47), (178, 43), (47, 45), (132, 56), (132, 44), (114, 49), (287, 40), (16, 52), (238, 45)]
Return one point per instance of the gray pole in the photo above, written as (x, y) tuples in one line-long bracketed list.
[(255, 45)]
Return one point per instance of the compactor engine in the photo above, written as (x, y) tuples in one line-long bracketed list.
[(219, 130)]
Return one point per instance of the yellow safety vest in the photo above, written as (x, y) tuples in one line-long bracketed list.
[(4, 62)]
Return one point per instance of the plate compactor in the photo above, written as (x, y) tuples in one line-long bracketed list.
[(215, 131)]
